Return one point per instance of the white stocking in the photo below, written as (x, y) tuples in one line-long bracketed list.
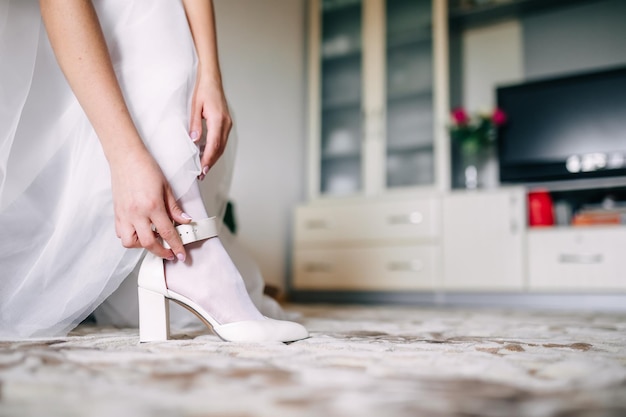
[(208, 276)]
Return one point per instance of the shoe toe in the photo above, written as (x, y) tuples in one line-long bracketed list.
[(268, 330)]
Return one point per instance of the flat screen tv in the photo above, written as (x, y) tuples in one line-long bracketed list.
[(564, 128)]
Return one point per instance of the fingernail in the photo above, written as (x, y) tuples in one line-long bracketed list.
[(186, 216), (194, 135), (205, 170), (171, 258), (180, 257)]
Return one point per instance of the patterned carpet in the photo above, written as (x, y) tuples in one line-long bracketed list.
[(360, 361)]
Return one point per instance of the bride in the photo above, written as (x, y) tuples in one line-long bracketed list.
[(101, 126)]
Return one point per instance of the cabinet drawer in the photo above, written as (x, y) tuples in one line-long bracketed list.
[(416, 219), (383, 269), (577, 259)]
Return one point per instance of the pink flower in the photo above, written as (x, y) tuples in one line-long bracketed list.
[(498, 118), (460, 117)]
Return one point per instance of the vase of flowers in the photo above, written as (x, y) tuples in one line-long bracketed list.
[(475, 138)]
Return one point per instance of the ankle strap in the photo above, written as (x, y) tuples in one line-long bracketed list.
[(195, 231)]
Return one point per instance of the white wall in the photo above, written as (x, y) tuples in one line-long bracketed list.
[(492, 55), (262, 53), (581, 38)]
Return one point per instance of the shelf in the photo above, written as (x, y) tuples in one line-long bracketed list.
[(352, 109), (404, 149), (344, 56), (335, 6), (568, 203), (409, 95), (461, 18), (329, 157), (339, 105), (399, 40), (579, 184)]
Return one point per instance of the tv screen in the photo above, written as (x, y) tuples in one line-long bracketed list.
[(566, 128)]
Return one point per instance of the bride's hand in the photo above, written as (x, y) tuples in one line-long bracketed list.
[(209, 103), (142, 197)]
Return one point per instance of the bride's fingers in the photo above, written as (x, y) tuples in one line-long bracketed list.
[(175, 212), (128, 236), (168, 233), (195, 129), (148, 240), (217, 137), (212, 147)]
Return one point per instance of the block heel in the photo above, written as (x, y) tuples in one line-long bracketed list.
[(154, 316)]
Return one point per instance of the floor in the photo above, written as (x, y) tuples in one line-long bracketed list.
[(359, 361)]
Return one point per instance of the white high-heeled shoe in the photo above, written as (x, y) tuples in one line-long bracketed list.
[(154, 297)]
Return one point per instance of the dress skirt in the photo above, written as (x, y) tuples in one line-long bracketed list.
[(59, 254)]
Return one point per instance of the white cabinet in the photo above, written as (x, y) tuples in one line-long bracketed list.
[(378, 96), (459, 241), (577, 259), (378, 146), (484, 240), (384, 268), (391, 245)]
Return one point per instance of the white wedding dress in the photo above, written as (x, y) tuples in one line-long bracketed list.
[(59, 255)]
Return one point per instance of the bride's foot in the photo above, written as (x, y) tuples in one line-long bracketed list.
[(222, 303), (208, 284), (211, 279)]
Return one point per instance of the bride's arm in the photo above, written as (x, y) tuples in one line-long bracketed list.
[(141, 194), (208, 101)]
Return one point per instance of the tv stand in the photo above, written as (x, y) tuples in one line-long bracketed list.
[(489, 246), (585, 249), (459, 246)]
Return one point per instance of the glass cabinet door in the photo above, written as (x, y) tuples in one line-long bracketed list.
[(410, 116), (341, 95)]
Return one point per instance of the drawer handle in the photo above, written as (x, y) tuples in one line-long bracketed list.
[(318, 267), (573, 258), (316, 224), (412, 218), (412, 266)]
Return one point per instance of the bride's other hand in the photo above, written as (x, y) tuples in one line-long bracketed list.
[(209, 103), (208, 98)]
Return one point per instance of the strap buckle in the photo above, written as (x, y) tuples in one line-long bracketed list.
[(187, 233), (195, 231)]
